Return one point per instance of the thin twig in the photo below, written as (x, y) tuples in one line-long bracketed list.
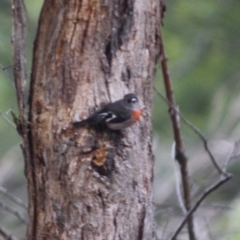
[(197, 131), (5, 68), (199, 201), (13, 198), (11, 108), (4, 115), (6, 234), (180, 155), (7, 120), (164, 229), (14, 212)]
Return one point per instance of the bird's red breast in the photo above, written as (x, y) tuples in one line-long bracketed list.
[(136, 114)]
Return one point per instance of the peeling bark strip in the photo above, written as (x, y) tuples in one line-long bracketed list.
[(88, 183)]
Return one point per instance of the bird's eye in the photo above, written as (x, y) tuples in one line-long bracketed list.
[(132, 100)]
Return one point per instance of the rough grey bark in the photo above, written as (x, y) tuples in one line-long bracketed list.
[(87, 183)]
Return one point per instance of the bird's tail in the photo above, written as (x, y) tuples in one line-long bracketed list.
[(81, 123)]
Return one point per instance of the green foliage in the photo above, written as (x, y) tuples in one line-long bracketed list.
[(202, 44)]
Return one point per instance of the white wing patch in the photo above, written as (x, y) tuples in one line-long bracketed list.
[(102, 116), (110, 116)]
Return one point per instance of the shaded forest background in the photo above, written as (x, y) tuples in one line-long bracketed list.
[(203, 48)]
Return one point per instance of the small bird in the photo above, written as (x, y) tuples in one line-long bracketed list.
[(117, 115)]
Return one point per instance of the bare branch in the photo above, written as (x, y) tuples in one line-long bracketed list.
[(5, 68), (199, 201), (14, 212), (180, 155), (226, 175), (18, 41), (7, 120), (4, 115), (197, 131), (164, 229), (6, 234), (13, 198)]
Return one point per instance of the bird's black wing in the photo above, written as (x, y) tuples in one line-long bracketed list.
[(111, 113), (117, 113)]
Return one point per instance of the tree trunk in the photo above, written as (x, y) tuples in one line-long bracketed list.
[(86, 183)]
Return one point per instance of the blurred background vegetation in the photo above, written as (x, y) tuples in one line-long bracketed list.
[(202, 41)]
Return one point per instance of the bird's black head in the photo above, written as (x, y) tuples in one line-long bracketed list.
[(130, 98)]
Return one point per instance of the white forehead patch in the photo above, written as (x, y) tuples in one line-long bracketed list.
[(133, 100)]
